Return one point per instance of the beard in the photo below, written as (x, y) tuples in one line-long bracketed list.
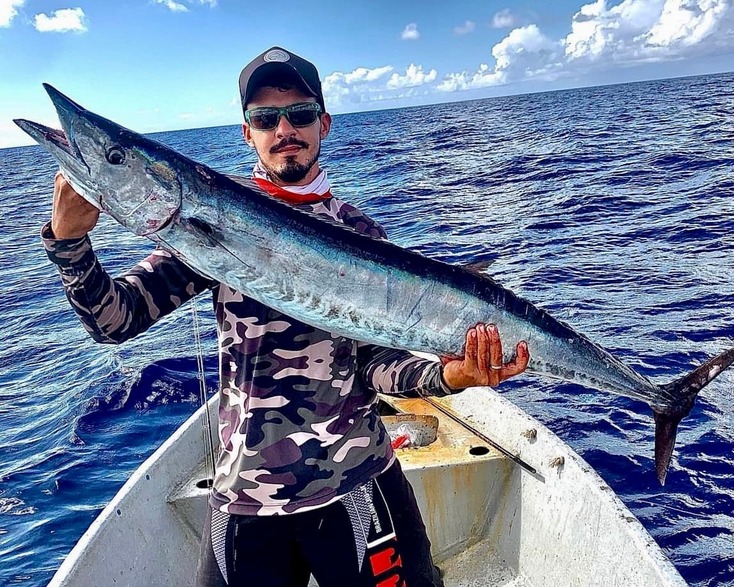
[(291, 171)]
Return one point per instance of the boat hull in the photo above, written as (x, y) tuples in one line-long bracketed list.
[(490, 521)]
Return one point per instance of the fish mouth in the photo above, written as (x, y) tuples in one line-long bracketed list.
[(115, 169), (54, 140), (59, 143), (45, 134)]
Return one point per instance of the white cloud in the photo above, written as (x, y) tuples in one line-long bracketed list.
[(414, 76), (597, 31), (640, 30), (633, 31), (601, 36), (65, 20), (503, 19), (174, 6), (687, 23), (8, 11), (465, 28), (371, 85), (523, 51), (410, 33), (362, 74), (482, 78), (340, 88)]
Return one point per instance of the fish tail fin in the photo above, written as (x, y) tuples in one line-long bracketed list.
[(682, 393), (666, 429)]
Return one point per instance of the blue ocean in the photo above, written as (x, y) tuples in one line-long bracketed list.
[(611, 207)]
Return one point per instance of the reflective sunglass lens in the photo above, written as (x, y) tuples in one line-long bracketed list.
[(298, 115), (264, 120), (302, 117)]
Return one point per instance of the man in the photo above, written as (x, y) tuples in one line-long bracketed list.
[(306, 480)]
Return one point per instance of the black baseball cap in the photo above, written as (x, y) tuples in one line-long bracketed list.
[(278, 59)]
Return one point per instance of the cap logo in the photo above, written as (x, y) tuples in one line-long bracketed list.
[(276, 55)]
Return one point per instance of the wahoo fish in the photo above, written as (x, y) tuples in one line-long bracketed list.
[(328, 275)]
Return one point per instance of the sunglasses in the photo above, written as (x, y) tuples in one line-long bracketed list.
[(299, 115)]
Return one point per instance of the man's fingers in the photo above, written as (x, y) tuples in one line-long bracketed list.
[(522, 354), (472, 348), (495, 347), (519, 363), (483, 342), (484, 349)]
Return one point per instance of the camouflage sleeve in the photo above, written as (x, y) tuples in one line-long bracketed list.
[(358, 220), (394, 371), (114, 310)]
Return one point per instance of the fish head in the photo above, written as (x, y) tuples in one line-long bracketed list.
[(127, 175)]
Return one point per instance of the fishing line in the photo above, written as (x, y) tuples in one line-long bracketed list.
[(207, 423)]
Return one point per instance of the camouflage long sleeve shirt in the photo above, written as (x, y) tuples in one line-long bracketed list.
[(298, 422)]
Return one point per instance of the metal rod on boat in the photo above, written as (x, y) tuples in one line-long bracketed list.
[(513, 457)]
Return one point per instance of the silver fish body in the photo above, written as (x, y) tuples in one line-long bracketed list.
[(328, 275), (341, 281)]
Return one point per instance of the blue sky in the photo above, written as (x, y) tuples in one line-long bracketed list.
[(169, 64)]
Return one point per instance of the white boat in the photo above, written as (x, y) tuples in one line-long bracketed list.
[(491, 521)]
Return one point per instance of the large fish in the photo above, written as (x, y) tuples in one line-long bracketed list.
[(328, 275)]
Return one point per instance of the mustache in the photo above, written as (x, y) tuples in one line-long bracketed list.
[(287, 142)]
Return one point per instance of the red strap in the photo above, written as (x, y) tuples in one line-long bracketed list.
[(290, 197)]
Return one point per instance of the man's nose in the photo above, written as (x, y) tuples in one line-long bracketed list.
[(284, 128)]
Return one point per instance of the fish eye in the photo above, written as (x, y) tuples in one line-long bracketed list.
[(115, 156)]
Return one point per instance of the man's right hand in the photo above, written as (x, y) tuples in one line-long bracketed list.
[(72, 216)]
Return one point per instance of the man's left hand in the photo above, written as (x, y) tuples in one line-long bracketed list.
[(483, 363)]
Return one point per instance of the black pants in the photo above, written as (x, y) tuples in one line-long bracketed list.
[(372, 537)]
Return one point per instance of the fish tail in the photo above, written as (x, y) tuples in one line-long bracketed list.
[(683, 394)]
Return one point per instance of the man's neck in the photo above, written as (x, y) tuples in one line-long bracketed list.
[(264, 173), (314, 182), (317, 189), (312, 174)]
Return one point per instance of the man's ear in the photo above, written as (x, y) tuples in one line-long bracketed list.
[(325, 125), (248, 136)]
